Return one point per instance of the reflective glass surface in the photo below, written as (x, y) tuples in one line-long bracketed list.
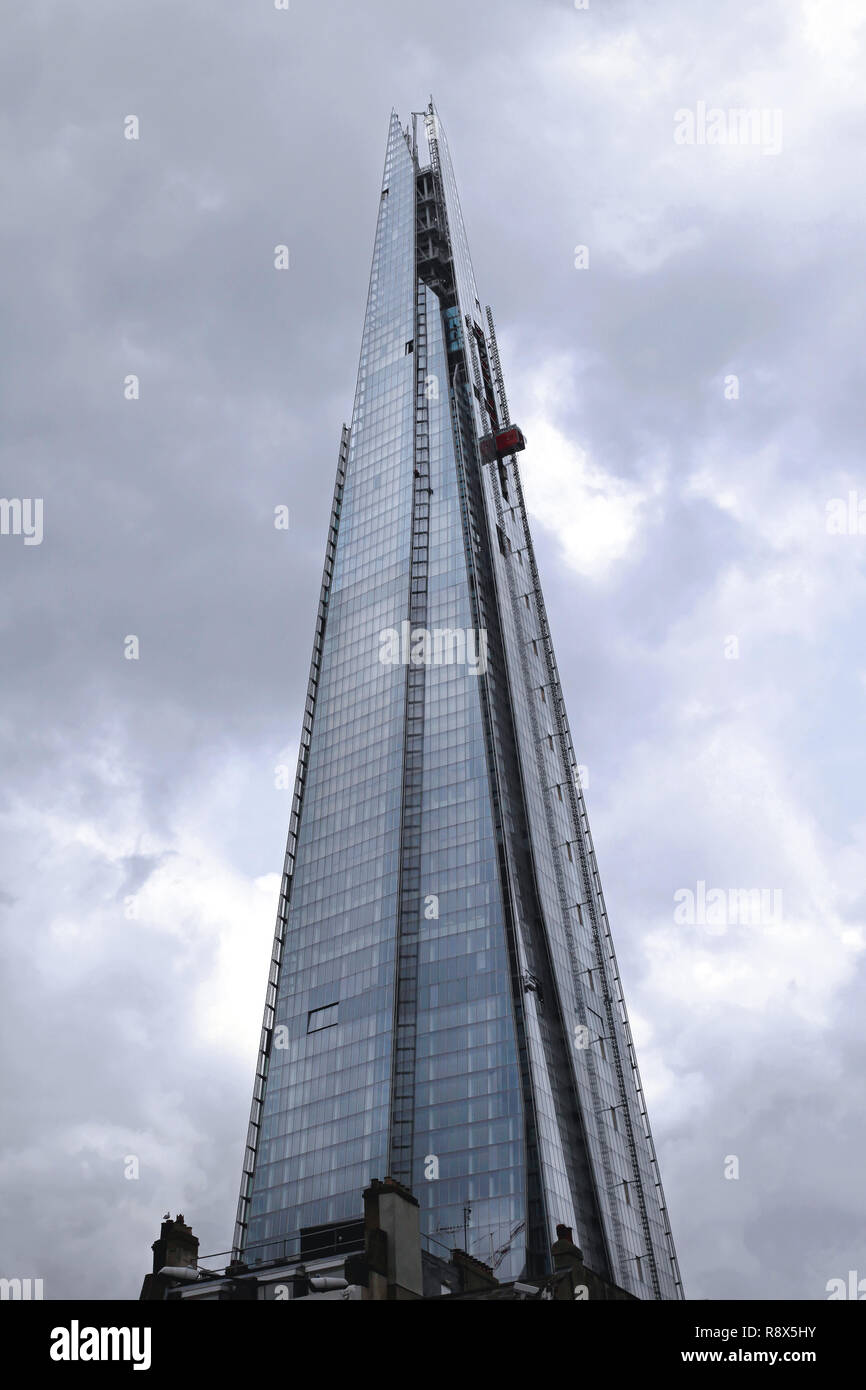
[(451, 916), (324, 1129), (468, 1109)]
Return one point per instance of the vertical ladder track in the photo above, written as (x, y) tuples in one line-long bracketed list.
[(278, 959)]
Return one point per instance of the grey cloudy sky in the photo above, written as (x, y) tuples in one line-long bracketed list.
[(668, 519)]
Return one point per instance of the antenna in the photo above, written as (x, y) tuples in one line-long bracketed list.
[(452, 1230), (497, 1256)]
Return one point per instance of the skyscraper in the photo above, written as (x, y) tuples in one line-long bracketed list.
[(443, 1003)]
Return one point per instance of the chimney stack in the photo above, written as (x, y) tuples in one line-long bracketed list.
[(177, 1247), (392, 1239)]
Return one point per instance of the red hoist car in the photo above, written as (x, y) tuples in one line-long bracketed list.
[(501, 444)]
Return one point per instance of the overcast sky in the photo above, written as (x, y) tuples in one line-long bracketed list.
[(673, 508)]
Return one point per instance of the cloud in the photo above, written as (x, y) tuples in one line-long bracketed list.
[(596, 518)]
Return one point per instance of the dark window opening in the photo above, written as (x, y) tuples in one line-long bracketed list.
[(322, 1018), (337, 1238)]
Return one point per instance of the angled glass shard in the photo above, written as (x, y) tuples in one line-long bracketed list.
[(443, 1004)]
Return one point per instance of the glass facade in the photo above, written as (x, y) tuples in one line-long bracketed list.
[(443, 1003)]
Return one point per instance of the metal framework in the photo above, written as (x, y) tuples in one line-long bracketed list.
[(279, 958), (614, 1002)]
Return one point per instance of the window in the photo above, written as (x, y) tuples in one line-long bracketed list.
[(322, 1018), (410, 346)]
